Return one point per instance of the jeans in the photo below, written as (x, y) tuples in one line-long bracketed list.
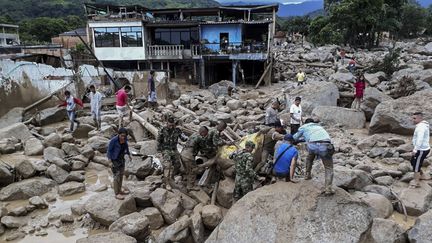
[(325, 152), (72, 119), (118, 168)]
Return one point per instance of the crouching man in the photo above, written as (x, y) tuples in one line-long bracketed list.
[(245, 174)]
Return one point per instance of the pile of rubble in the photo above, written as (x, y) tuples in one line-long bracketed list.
[(372, 170)]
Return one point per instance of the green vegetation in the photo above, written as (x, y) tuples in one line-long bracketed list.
[(361, 23), (41, 20)]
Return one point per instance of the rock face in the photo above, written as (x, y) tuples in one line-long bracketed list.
[(380, 206), (278, 213), (395, 115), (371, 99), (51, 115), (105, 209), (331, 115), (15, 115), (317, 94), (17, 130), (26, 189), (33, 146), (417, 200), (421, 232), (107, 237)]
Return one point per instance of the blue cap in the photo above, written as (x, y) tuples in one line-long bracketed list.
[(288, 137)]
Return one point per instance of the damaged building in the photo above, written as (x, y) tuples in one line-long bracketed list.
[(195, 45)]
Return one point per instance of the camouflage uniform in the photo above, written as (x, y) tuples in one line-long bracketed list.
[(167, 145), (245, 173)]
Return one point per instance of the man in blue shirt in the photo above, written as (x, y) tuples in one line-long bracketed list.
[(285, 159), (318, 144), (117, 149)]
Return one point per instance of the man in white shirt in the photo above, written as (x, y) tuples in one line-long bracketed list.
[(296, 115), (421, 146), (95, 105)]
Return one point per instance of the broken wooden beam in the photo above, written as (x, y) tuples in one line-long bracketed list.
[(264, 74), (213, 196), (147, 125), (45, 99), (186, 110), (234, 134)]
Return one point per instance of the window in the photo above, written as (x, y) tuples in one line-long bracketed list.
[(131, 36), (184, 36), (107, 37)]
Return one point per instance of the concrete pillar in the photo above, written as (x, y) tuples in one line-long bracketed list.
[(234, 72), (202, 74)]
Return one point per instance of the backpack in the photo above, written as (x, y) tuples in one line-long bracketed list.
[(78, 102)]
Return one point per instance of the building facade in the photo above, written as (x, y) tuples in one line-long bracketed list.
[(201, 45), (9, 35)]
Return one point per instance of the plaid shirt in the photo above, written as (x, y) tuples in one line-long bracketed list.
[(312, 132)]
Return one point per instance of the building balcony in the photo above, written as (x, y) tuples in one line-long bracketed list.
[(165, 52)]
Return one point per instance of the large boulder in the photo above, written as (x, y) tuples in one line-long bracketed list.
[(15, 115), (50, 116), (380, 206), (70, 188), (53, 140), (107, 237), (343, 177), (51, 153), (137, 131), (140, 168), (26, 189), (343, 76), (316, 94), (294, 213), (82, 131), (33, 146), (421, 232), (105, 209), (168, 204), (349, 118), (416, 200), (154, 217), (387, 231), (374, 78), (221, 88), (57, 174), (211, 216), (6, 176), (394, 116), (133, 224), (148, 147), (25, 169), (225, 191), (99, 143), (17, 130), (371, 99)]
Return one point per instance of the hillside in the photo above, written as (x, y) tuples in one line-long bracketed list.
[(29, 9)]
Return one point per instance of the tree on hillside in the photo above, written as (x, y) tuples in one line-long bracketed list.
[(41, 29), (413, 20), (297, 25)]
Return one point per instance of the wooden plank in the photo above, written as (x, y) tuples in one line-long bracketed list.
[(263, 75), (147, 125)]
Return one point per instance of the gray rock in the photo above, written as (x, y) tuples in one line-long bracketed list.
[(15, 115), (311, 217), (17, 130), (140, 168), (57, 174), (394, 141), (234, 104), (26, 189), (349, 118), (384, 180), (200, 196), (371, 99), (70, 149), (15, 236), (50, 153), (349, 179), (38, 202), (33, 146), (61, 163), (154, 217), (137, 131), (133, 224), (420, 232), (387, 231), (13, 222), (380, 206), (211, 216), (88, 152), (7, 145), (416, 200), (170, 232), (6, 177), (50, 116), (99, 143), (168, 204), (395, 115), (197, 228), (25, 169), (53, 140), (148, 147), (382, 190), (369, 142), (374, 78), (105, 209), (19, 211), (317, 94), (70, 188), (220, 88), (342, 77), (107, 237), (82, 131)]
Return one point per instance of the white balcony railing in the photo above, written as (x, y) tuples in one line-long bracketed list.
[(160, 51)]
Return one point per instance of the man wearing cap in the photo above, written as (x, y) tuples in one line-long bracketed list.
[(272, 113), (167, 140), (271, 136), (245, 175), (318, 144), (296, 115), (117, 149), (285, 159)]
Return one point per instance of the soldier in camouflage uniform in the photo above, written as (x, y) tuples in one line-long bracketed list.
[(167, 145), (245, 174)]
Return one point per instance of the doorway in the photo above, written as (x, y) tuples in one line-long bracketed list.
[(224, 41)]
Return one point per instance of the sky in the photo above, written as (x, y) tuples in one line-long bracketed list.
[(260, 1)]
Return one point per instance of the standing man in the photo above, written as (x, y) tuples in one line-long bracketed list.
[(122, 103), (245, 175), (421, 146), (296, 115), (95, 106), (71, 106), (318, 144), (151, 87), (117, 149), (285, 159), (270, 138), (167, 145), (300, 77), (271, 116)]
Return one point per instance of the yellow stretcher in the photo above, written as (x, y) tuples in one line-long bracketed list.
[(225, 151)]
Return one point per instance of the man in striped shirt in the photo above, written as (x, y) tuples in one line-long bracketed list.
[(318, 144)]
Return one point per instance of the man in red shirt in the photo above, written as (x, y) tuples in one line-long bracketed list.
[(359, 86), (122, 103)]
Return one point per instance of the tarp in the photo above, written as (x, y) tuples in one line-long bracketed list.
[(225, 151)]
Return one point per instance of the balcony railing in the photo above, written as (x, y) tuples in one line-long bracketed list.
[(165, 51), (233, 48)]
